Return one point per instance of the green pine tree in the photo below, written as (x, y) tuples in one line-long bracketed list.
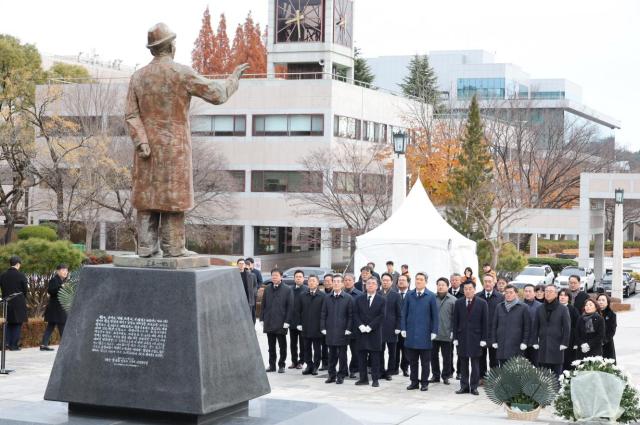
[(474, 172), (422, 82), (361, 70)]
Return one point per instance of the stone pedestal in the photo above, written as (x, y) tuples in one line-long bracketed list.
[(176, 341), (173, 263)]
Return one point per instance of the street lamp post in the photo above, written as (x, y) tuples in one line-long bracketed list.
[(400, 142), (616, 278)]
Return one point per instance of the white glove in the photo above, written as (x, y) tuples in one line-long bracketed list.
[(563, 347), (286, 326), (585, 347), (347, 332), (455, 342), (523, 346), (575, 347), (299, 327), (451, 336), (397, 331), (404, 334), (433, 336), (323, 332), (535, 346), (483, 343), (362, 328), (368, 328), (494, 345)]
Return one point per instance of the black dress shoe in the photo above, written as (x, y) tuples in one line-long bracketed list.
[(307, 371), (387, 377), (434, 380), (405, 373), (292, 366), (270, 369), (394, 372), (281, 369), (413, 386), (299, 366), (45, 348), (475, 392), (461, 391), (445, 381), (322, 368), (375, 383), (353, 376), (361, 382), (314, 372), (330, 380), (339, 380), (457, 376), (424, 387)]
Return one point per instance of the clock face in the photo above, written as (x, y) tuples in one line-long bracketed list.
[(299, 21), (343, 22)]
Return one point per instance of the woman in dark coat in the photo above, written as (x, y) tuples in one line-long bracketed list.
[(55, 315), (564, 296), (610, 325), (590, 332)]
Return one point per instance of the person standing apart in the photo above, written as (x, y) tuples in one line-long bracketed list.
[(419, 323), (610, 322), (470, 334), (336, 322), (309, 312), (390, 326), (444, 340), (590, 331), (54, 315), (276, 317), (511, 327), (370, 310), (13, 281), (553, 331)]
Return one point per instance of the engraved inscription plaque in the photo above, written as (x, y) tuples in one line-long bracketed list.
[(129, 341)]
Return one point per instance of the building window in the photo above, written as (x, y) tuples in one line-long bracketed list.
[(486, 88), (374, 132), (547, 95), (219, 240), (283, 240), (346, 127), (219, 181), (288, 125), (286, 181), (219, 125), (359, 183)]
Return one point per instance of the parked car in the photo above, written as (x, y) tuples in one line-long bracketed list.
[(629, 284), (287, 275), (535, 275), (587, 278)]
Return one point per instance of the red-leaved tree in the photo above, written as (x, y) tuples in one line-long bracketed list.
[(204, 46)]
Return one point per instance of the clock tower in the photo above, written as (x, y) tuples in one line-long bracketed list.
[(310, 37)]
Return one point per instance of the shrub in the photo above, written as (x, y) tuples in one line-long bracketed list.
[(40, 256), (509, 260), (42, 232), (556, 264)]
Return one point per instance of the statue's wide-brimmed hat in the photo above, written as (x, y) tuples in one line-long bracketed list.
[(159, 34)]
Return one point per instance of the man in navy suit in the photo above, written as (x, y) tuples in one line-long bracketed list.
[(369, 315), (470, 335), (493, 299)]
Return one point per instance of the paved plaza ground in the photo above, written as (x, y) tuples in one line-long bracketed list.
[(21, 393)]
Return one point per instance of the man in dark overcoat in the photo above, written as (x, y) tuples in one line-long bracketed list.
[(578, 296), (532, 305), (402, 361), (419, 326), (309, 312), (54, 314), (336, 322), (295, 336), (13, 281), (511, 326), (276, 317), (470, 334), (390, 326), (249, 283), (349, 288), (552, 331), (369, 315), (493, 298)]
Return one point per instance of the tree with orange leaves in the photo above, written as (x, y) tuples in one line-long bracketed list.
[(204, 46), (248, 47), (222, 52)]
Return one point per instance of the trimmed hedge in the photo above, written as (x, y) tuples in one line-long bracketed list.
[(556, 264), (32, 332), (547, 246), (42, 232)]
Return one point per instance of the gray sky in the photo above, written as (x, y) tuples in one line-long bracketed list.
[(591, 42)]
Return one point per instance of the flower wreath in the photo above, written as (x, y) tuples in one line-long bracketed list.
[(630, 402)]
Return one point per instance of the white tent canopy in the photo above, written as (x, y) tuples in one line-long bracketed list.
[(417, 235)]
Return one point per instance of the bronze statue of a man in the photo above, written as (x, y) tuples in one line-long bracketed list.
[(158, 119)]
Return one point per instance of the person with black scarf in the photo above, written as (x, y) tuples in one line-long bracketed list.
[(590, 332), (610, 325), (552, 331)]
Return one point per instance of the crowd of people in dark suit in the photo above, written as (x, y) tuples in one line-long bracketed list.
[(349, 327)]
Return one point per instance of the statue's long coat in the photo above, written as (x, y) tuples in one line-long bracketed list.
[(158, 114)]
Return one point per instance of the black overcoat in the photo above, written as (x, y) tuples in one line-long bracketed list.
[(355, 293), (579, 301), (370, 316), (250, 285), (610, 325), (510, 329), (297, 297), (470, 326), (309, 311), (595, 339), (54, 312), (337, 317), (392, 315), (492, 302), (14, 281), (277, 308), (551, 332)]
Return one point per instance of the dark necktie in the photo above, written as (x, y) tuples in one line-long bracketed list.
[(403, 295), (369, 299), (488, 295)]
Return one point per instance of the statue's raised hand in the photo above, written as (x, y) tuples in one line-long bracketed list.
[(240, 69)]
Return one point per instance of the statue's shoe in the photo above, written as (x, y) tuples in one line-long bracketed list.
[(185, 253)]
